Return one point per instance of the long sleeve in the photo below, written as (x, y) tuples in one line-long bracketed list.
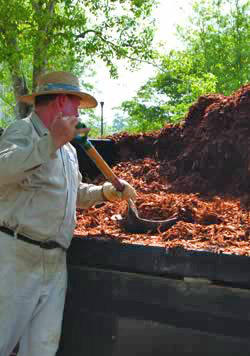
[(88, 194), (21, 154)]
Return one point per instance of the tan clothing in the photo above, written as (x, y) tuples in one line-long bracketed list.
[(39, 185), (33, 285)]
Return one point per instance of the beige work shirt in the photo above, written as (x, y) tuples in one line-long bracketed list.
[(40, 186)]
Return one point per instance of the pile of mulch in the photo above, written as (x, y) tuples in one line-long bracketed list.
[(208, 151), (216, 223), (200, 166)]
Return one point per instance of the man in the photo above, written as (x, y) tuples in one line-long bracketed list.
[(40, 188)]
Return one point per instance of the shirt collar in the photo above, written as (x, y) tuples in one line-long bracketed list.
[(38, 124)]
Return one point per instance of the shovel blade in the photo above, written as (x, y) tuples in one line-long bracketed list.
[(132, 222)]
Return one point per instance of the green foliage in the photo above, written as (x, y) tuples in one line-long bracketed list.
[(2, 124), (181, 82), (167, 96), (38, 36), (215, 59), (119, 124), (218, 38), (142, 117)]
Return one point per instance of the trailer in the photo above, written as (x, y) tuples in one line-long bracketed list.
[(126, 299), (136, 300)]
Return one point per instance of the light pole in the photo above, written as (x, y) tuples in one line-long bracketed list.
[(102, 103)]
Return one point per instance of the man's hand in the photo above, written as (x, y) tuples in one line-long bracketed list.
[(111, 194), (63, 129)]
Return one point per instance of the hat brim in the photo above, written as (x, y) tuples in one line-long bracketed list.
[(87, 101)]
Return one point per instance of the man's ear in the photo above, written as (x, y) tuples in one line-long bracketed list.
[(60, 100)]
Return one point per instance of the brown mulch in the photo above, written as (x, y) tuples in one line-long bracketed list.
[(201, 166)]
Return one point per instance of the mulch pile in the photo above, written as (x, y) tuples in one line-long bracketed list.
[(200, 166)]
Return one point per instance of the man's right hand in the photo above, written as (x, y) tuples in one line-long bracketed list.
[(62, 129)]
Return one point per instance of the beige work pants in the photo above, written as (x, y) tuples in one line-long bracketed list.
[(32, 294)]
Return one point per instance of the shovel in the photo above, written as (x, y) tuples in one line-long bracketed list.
[(131, 222)]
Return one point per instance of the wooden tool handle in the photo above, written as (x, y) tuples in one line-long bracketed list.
[(104, 168)]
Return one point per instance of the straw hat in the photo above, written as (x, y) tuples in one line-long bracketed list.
[(60, 83)]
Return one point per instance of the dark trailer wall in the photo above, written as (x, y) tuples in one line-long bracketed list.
[(134, 300)]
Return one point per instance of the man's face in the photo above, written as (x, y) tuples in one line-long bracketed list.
[(70, 105)]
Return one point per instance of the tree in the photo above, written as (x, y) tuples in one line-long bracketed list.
[(167, 96), (41, 35), (218, 38), (215, 59), (119, 124)]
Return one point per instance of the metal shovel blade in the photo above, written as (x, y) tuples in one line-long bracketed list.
[(132, 223)]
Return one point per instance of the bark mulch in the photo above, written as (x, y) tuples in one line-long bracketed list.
[(199, 168)]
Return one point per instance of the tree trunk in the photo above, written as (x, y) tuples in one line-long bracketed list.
[(20, 88)]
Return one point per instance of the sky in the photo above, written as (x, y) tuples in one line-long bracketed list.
[(112, 92)]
